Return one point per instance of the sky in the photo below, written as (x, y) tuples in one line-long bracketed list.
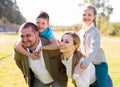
[(61, 12)]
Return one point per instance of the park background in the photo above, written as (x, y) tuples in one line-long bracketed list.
[(14, 12)]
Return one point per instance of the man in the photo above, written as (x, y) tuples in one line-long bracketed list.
[(45, 71)]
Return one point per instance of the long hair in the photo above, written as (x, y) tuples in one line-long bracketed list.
[(77, 53), (94, 10)]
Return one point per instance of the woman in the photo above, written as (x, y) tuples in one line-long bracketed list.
[(72, 59)]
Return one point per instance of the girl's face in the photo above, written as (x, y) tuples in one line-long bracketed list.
[(88, 16), (67, 45)]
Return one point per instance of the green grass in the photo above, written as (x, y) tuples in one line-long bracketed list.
[(111, 47), (11, 76), (6, 44)]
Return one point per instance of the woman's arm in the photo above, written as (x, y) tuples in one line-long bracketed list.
[(81, 77)]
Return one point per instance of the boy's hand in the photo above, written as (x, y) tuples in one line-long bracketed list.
[(36, 53), (34, 57)]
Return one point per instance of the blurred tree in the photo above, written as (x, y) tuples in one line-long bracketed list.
[(104, 9), (9, 12)]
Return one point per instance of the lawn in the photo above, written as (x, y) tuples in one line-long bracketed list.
[(10, 75)]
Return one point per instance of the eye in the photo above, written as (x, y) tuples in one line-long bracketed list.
[(66, 41), (43, 23), (61, 40), (28, 35), (84, 14)]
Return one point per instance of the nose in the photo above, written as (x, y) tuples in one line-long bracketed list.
[(61, 43), (85, 16), (24, 39)]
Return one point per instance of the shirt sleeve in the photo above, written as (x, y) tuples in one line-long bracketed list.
[(94, 46), (48, 33), (82, 79)]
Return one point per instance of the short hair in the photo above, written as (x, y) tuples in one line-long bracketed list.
[(27, 25), (43, 15)]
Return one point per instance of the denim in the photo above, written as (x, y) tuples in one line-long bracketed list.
[(38, 83), (102, 74)]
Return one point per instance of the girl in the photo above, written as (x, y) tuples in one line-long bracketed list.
[(90, 45)]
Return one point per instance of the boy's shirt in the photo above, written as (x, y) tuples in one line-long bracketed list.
[(47, 33)]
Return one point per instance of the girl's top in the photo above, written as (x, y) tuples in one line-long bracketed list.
[(84, 78), (47, 33), (90, 46)]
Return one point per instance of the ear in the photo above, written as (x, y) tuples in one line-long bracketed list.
[(94, 17), (48, 24), (37, 33), (76, 46)]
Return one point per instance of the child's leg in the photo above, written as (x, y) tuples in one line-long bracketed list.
[(110, 84), (102, 74)]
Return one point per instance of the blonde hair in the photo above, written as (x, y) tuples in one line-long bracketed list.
[(77, 53), (89, 6)]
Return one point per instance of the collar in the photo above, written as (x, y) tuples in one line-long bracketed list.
[(37, 48), (69, 58), (87, 28)]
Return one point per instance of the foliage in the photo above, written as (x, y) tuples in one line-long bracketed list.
[(115, 29), (103, 7), (76, 27), (111, 29), (9, 12)]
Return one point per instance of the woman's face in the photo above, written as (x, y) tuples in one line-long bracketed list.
[(67, 44)]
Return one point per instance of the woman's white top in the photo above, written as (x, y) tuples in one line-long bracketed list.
[(84, 78)]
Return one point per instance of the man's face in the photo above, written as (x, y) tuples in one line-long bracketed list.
[(29, 38)]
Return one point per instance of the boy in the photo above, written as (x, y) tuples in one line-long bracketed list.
[(43, 26)]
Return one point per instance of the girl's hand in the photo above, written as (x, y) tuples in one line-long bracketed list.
[(78, 69), (82, 66)]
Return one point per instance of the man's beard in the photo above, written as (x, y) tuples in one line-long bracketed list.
[(30, 45)]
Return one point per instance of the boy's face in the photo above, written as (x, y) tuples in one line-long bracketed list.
[(42, 24)]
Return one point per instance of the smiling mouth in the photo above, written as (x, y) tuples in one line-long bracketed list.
[(62, 48)]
